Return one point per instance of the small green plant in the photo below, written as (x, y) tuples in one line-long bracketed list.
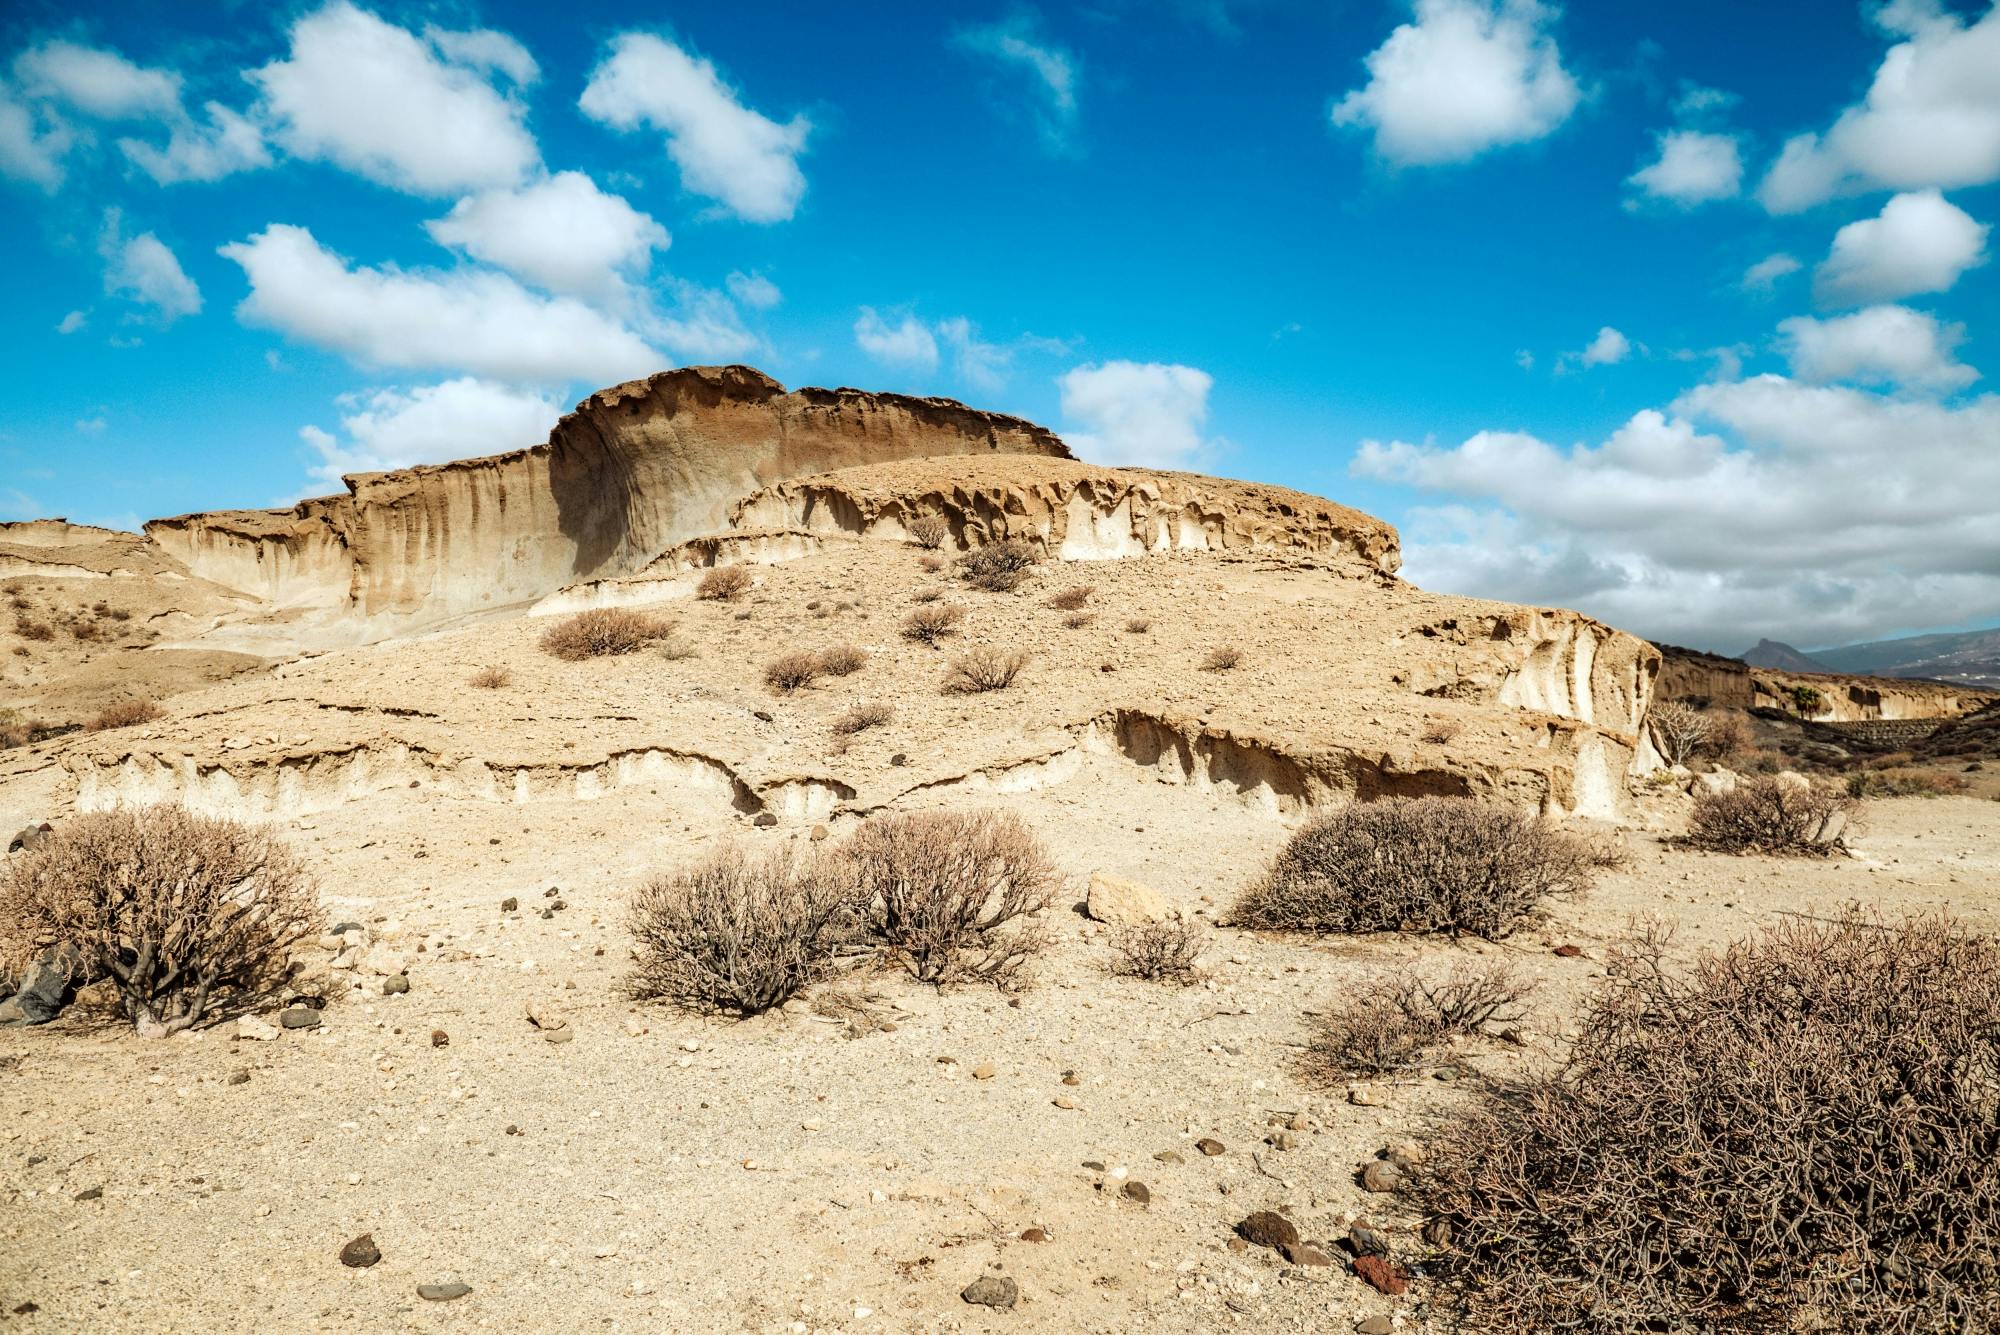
[(1807, 698)]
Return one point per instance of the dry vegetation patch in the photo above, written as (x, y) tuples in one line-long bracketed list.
[(984, 669), (861, 718), (929, 531), (1424, 864), (790, 672), (1800, 1131), (843, 660), (1160, 952), (604, 632), (999, 567), (1772, 814), (125, 714), (186, 916), (1070, 599), (932, 622), (1398, 1022), (724, 584), (492, 679)]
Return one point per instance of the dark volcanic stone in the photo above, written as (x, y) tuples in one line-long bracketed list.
[(992, 1291), (361, 1252), (1268, 1229)]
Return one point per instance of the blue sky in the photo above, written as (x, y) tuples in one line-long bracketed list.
[(1679, 315)]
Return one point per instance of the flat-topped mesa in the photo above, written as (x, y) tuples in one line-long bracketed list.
[(633, 470), (1076, 511)]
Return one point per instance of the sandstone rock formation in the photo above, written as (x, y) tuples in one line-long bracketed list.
[(635, 469), (1689, 674)]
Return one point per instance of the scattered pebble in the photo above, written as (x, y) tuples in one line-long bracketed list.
[(442, 1293), (992, 1291), (1210, 1146), (361, 1252), (1267, 1228), (299, 1017)]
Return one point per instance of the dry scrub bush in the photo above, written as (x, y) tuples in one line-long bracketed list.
[(1679, 729), (843, 660), (1728, 734), (929, 531), (1078, 620), (789, 672), (1798, 1132), (930, 563), (187, 916), (998, 567), (1423, 864), (603, 631), (1222, 659), (1904, 783), (33, 630), (1771, 814), (926, 595), (949, 892), (724, 584), (492, 679), (1138, 626), (1395, 1023), (1070, 599), (861, 718), (16, 729), (1160, 952), (983, 669), (932, 622), (125, 714), (741, 933)]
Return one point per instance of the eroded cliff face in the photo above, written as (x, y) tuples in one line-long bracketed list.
[(635, 469), (1731, 683), (1076, 511)]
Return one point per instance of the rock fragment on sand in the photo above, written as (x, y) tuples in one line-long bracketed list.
[(361, 1252), (992, 1291), (1114, 899), (1267, 1228), (442, 1293)]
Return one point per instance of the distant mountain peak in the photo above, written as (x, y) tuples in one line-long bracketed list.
[(1781, 657)]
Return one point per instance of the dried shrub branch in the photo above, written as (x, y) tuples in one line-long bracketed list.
[(741, 933), (929, 531), (1070, 599), (932, 622), (789, 672), (1423, 864), (1798, 1132), (1222, 659), (843, 660), (999, 567), (950, 892), (1160, 952), (125, 714), (1679, 729), (724, 584), (604, 631), (861, 718), (983, 669), (1772, 814), (187, 916), (492, 679), (1398, 1022)]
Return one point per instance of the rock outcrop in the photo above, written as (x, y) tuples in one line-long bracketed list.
[(634, 470), (1730, 683)]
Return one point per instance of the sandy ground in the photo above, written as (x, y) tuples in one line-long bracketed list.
[(667, 1173)]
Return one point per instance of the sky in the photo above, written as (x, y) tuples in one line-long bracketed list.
[(1680, 315)]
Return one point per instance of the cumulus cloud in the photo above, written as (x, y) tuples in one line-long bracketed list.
[(427, 424), (1931, 117), (703, 325), (1765, 273), (1879, 345), (754, 290), (32, 143), (1463, 77), (1607, 349), (105, 85), (907, 343), (1137, 413), (1920, 242), (469, 320), (1744, 509), (562, 233), (1018, 47), (144, 270), (72, 322), (978, 363), (1692, 167), (403, 111), (486, 49), (725, 150)]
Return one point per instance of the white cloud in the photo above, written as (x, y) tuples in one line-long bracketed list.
[(1931, 117), (1608, 349), (1920, 242), (99, 83), (72, 322), (18, 505), (725, 150), (978, 363), (908, 343), (91, 426), (484, 323), (1693, 167), (1836, 529), (754, 290), (1136, 413), (1879, 345), (107, 86), (1051, 72), (485, 49), (562, 233), (376, 100), (1765, 273), (426, 424), (142, 269), (1465, 77), (32, 143), (702, 326)]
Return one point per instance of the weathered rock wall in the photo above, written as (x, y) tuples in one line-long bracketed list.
[(1730, 683)]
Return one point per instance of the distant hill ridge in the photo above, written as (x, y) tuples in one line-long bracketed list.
[(1782, 657)]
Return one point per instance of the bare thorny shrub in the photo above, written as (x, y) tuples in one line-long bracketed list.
[(1771, 814), (1072, 598), (1423, 864), (932, 622), (843, 660), (743, 933), (861, 718), (724, 584), (929, 531), (187, 916), (1679, 729), (125, 714), (1222, 658), (1798, 1132), (789, 672), (951, 892), (491, 679), (983, 669), (1397, 1022), (604, 631), (1160, 952), (999, 567)]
